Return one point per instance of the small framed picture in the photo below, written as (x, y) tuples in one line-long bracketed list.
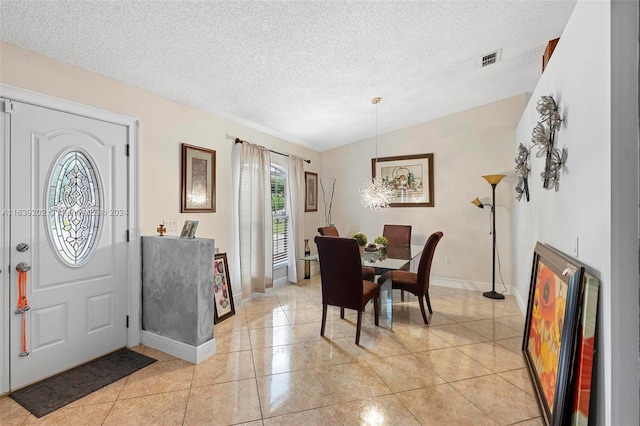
[(189, 229), (310, 192), (222, 292)]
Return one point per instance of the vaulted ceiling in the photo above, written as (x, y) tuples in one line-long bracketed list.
[(305, 71)]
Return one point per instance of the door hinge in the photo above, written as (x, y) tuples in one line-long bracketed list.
[(126, 150), (7, 106), (127, 235), (127, 321)]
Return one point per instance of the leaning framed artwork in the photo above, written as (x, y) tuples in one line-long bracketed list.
[(586, 350), (550, 331), (198, 179), (410, 176), (222, 293), (310, 192)]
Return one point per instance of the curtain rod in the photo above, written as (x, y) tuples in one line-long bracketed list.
[(276, 152)]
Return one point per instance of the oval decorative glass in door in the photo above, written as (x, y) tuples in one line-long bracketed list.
[(75, 201)]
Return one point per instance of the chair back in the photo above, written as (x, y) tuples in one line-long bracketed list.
[(330, 231), (340, 271), (397, 234), (424, 267)]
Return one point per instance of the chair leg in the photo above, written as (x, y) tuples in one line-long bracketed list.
[(324, 319), (376, 310), (424, 315), (402, 295), (426, 296), (341, 313), (358, 327)]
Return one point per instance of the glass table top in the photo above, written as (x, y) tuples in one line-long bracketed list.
[(390, 258)]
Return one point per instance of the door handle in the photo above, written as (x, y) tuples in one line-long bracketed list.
[(23, 267)]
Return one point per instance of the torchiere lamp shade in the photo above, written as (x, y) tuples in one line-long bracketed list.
[(477, 203), (493, 179)]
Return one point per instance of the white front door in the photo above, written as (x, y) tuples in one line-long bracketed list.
[(69, 225)]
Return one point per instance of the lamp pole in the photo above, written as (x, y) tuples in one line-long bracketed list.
[(493, 294)]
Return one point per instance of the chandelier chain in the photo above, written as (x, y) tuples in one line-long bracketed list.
[(376, 194)]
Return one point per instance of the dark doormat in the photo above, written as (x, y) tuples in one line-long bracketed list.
[(48, 395)]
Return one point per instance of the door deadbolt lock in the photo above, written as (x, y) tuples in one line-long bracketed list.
[(23, 267), (22, 247)]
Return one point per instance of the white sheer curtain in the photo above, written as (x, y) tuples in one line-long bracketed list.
[(252, 202), (295, 179)]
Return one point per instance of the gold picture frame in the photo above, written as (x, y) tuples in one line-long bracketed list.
[(410, 176), (198, 180)]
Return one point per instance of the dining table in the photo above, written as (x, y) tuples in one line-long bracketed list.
[(391, 257)]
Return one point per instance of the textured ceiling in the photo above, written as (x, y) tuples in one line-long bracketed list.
[(305, 71)]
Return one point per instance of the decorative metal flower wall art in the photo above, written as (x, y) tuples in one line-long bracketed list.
[(544, 135), (522, 173)]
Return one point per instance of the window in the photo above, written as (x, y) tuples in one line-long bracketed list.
[(280, 216), (74, 206)]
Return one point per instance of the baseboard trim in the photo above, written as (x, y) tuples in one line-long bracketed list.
[(468, 285), (193, 354)]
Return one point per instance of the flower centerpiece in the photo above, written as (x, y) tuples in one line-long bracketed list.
[(372, 247)]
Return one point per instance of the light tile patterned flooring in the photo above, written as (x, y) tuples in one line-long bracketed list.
[(272, 367)]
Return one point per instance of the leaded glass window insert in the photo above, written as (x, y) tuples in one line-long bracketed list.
[(75, 201)]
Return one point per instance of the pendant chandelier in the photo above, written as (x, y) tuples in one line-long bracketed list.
[(375, 193)]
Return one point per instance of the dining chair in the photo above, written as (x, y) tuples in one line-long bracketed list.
[(398, 235), (417, 283), (368, 273), (341, 279), (329, 231)]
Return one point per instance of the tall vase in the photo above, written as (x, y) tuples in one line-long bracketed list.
[(307, 264)]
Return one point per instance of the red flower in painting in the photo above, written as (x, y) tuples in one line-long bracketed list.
[(585, 366), (547, 285), (548, 382), (534, 334)]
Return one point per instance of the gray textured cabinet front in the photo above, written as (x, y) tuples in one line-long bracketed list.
[(177, 288)]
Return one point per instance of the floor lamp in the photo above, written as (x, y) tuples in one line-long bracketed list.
[(493, 181)]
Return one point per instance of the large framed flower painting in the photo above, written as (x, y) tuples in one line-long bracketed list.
[(551, 330)]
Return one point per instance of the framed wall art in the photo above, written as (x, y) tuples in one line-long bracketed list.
[(223, 307), (198, 179), (550, 331), (586, 349), (410, 176), (310, 192)]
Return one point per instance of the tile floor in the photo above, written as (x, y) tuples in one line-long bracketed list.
[(272, 367)]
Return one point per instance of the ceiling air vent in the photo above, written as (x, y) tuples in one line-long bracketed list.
[(491, 58)]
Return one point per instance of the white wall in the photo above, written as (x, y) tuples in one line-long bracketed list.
[(598, 198), (466, 146), (164, 125)]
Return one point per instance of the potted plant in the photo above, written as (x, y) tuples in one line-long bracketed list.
[(382, 241), (361, 238)]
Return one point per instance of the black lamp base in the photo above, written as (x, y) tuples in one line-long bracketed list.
[(493, 295)]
